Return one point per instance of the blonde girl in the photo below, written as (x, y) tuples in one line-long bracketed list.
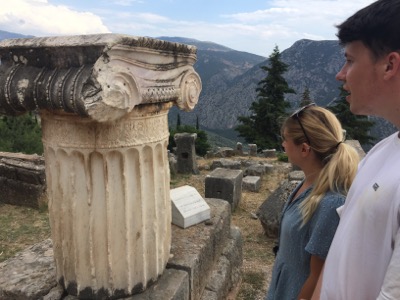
[(313, 140)]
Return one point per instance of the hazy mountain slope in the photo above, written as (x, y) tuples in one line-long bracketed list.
[(314, 64), (218, 68), (311, 63), (10, 35)]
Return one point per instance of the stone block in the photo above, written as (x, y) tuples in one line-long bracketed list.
[(7, 171), (296, 175), (234, 253), (259, 169), (22, 194), (252, 149), (225, 152), (22, 179), (251, 183), (209, 154), (248, 162), (172, 285), (269, 153), (225, 184), (255, 170), (226, 163), (227, 272), (196, 249), (239, 149)]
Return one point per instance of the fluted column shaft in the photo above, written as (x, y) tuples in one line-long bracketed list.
[(109, 200)]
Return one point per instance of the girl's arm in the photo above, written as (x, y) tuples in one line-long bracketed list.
[(316, 265)]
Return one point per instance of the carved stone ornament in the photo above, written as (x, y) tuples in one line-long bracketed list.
[(98, 76), (103, 102)]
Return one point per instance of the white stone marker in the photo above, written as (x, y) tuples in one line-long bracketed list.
[(188, 207)]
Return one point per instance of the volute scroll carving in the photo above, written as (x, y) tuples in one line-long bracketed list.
[(102, 77), (190, 91)]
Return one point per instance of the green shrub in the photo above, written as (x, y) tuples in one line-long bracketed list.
[(21, 134), (282, 156)]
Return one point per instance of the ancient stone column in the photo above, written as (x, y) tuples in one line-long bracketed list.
[(103, 102)]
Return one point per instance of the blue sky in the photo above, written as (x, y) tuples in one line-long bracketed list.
[(253, 26)]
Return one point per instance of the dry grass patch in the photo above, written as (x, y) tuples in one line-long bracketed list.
[(21, 227)]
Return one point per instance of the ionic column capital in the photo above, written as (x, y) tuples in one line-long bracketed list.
[(102, 77)]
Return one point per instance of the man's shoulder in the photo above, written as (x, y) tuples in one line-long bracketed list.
[(382, 149), (384, 142)]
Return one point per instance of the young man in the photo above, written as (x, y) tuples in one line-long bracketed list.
[(364, 259)]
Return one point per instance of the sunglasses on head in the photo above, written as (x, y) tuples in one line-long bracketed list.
[(296, 115)]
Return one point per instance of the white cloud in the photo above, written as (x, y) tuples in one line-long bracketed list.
[(286, 21), (38, 17)]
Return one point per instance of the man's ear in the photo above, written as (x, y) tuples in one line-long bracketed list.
[(392, 66)]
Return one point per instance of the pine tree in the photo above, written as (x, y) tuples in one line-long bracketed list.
[(305, 97), (262, 127), (357, 127)]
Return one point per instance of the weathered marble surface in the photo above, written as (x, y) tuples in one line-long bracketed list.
[(102, 76)]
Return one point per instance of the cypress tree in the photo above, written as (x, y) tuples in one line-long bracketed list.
[(262, 127), (357, 127)]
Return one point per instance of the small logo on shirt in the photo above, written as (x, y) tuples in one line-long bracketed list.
[(375, 186)]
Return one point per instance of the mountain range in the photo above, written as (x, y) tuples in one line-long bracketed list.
[(230, 77)]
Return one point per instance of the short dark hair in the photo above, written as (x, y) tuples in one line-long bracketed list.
[(377, 26)]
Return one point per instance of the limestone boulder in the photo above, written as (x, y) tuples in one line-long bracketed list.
[(269, 213)]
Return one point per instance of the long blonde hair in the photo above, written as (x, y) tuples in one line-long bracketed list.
[(325, 135)]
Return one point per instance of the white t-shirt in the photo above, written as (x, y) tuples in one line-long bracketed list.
[(364, 259)]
